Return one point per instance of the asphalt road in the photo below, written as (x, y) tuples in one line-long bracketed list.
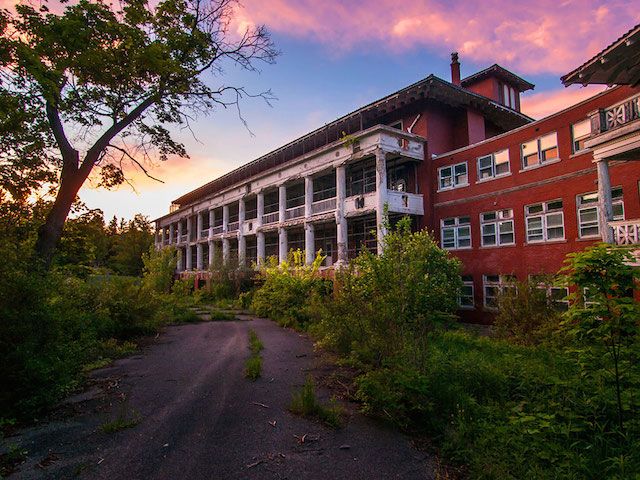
[(199, 418)]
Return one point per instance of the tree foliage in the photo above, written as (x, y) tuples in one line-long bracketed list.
[(102, 82), (604, 319)]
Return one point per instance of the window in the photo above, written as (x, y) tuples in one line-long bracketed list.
[(539, 151), (361, 178), (509, 96), (588, 212), (580, 132), (397, 125), (494, 285), (497, 228), (453, 176), (494, 165), (545, 221), (456, 232), (465, 299)]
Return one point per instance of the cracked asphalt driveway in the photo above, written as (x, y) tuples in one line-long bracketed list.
[(199, 418)]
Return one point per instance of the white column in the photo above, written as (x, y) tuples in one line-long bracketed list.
[(605, 207), (179, 260), (225, 218), (341, 221), (382, 194), (211, 253), (171, 233), (242, 244), (308, 196), (282, 203), (200, 223), (225, 250), (259, 208), (179, 231), (199, 259), (282, 244), (212, 219), (260, 247), (189, 228), (309, 243), (189, 262)]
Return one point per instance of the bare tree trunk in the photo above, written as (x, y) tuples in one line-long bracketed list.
[(50, 232)]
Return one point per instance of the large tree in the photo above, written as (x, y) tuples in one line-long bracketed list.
[(106, 80)]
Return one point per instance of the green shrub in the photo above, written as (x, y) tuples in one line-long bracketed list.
[(384, 304), (286, 289), (54, 325), (526, 315), (606, 329), (159, 269)]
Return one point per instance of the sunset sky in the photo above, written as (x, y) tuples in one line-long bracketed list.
[(340, 55)]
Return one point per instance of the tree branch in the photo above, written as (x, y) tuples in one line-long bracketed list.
[(69, 154), (130, 157)]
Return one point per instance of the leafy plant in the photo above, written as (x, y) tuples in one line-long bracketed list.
[(286, 288), (604, 318)]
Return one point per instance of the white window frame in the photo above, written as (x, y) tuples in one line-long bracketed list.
[(540, 151), (453, 176), (493, 166), (455, 225), (583, 207), (501, 218), (575, 139), (544, 214), (467, 282), (497, 282)]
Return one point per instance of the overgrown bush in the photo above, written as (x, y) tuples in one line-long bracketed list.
[(386, 304), (54, 324), (286, 290), (604, 321), (159, 268), (526, 314), (505, 411)]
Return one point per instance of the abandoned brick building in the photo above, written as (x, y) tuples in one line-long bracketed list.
[(508, 195)]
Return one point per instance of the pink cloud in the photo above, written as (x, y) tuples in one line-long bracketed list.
[(539, 105), (533, 37)]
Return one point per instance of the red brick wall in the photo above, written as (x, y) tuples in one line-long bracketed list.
[(572, 175)]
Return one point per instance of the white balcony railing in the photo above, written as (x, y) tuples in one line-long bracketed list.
[(323, 205), (270, 218), (183, 238), (233, 226), (216, 230), (295, 212), (204, 233), (626, 232)]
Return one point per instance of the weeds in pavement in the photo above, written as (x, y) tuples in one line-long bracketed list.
[(123, 421), (10, 460), (255, 344), (304, 402), (253, 365)]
